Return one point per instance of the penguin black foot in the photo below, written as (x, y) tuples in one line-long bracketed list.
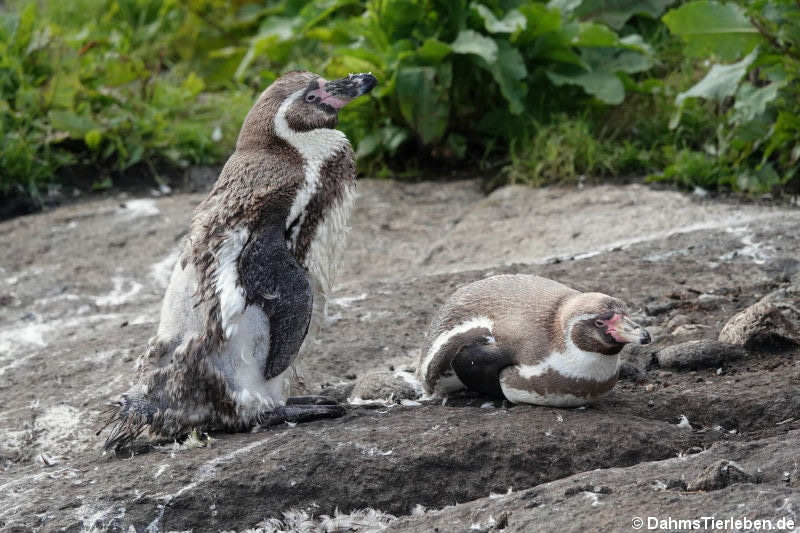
[(302, 412), (310, 400)]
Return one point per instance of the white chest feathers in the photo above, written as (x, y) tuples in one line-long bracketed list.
[(574, 363)]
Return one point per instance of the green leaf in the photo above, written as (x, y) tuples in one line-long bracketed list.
[(616, 13), (62, 90), (119, 72), (752, 102), (759, 180), (511, 22), (93, 138), (508, 71), (472, 42), (457, 145), (368, 145), (720, 82), (25, 27), (76, 125), (565, 6), (284, 28), (616, 60), (424, 99), (343, 64), (540, 20), (393, 137), (591, 34), (709, 27), (388, 137), (433, 51), (605, 86), (102, 185), (398, 18), (194, 84)]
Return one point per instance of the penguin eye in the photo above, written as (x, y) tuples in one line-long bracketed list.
[(311, 98), (599, 323)]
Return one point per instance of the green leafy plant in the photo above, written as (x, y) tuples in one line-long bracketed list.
[(107, 96), (757, 144), (526, 91)]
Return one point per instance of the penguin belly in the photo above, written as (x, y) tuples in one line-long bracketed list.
[(559, 383), (242, 360)]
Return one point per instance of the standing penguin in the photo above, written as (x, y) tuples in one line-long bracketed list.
[(261, 254), (528, 339)]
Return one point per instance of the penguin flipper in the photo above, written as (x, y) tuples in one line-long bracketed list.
[(478, 366), (274, 280)]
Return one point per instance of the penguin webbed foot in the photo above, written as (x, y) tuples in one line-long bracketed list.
[(302, 409), (310, 400)]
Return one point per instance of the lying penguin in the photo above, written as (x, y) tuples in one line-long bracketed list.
[(528, 339), (260, 255)]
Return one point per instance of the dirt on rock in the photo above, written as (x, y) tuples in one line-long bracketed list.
[(80, 288)]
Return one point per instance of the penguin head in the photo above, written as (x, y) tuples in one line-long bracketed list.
[(600, 324), (303, 101)]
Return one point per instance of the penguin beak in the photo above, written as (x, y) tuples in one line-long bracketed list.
[(338, 93), (624, 330)]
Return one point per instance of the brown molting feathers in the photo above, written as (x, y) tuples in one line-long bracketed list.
[(528, 339), (259, 257)]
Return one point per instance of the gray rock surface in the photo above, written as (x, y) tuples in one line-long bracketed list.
[(762, 325), (626, 499), (719, 475), (704, 353), (80, 288)]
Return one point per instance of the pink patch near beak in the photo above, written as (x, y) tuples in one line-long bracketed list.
[(325, 98), (611, 324)]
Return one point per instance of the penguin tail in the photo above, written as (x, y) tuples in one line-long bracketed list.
[(128, 418)]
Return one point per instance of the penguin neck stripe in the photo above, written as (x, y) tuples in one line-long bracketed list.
[(473, 323), (315, 147), (574, 362)]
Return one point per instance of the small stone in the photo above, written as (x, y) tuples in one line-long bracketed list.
[(659, 307), (761, 326), (655, 332), (710, 301), (677, 320), (382, 385), (782, 268), (688, 329), (338, 391), (9, 300), (719, 475), (676, 484), (696, 354), (630, 372)]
